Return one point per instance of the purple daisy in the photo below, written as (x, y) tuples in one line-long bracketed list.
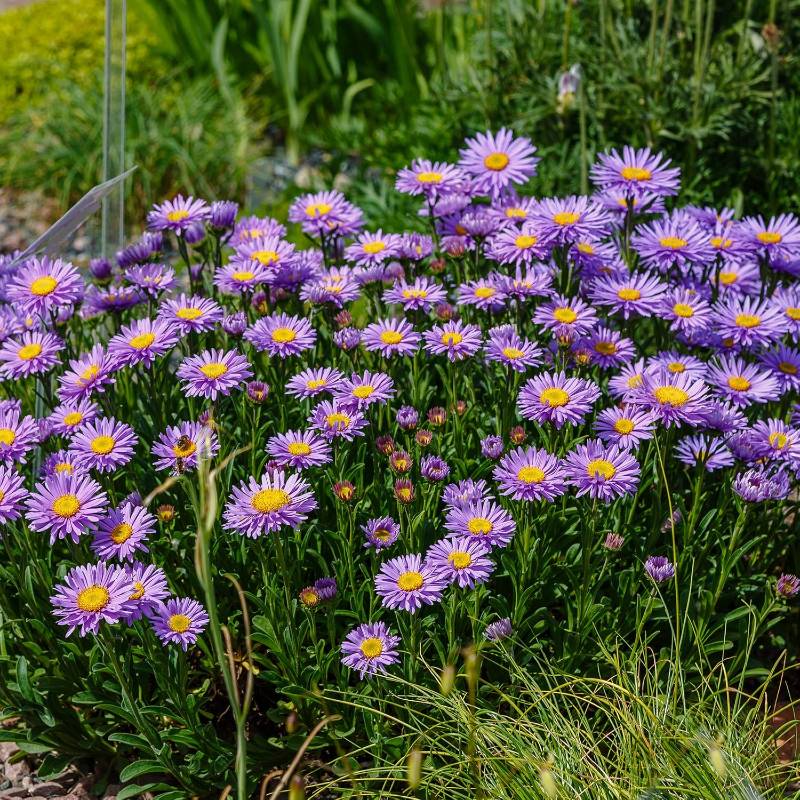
[(677, 363), (760, 484), (335, 420), (748, 321), (708, 451), (336, 286), (103, 444), (434, 468), (569, 219), (496, 631), (741, 383), (458, 495), (65, 505), (299, 450), (626, 428), (151, 279), (422, 293), (774, 440), (235, 278), (483, 520), (213, 372), (557, 399), (258, 507), (674, 398), (32, 354), (784, 364), (659, 568), (361, 391), (788, 303), (193, 313), (178, 214), (686, 311), (250, 228), (91, 594), (507, 347), (181, 446), (12, 493), (676, 240), (179, 620), (372, 249), (311, 382), (629, 295), (607, 348), (455, 339), (463, 561), (429, 178), (520, 247), (41, 286), (18, 435), (617, 202), (495, 161), (142, 342), (281, 335), (326, 214), (391, 337), (742, 278), (60, 461), (89, 373), (485, 293), (267, 254), (566, 317), (149, 588), (602, 472), (408, 583), (530, 474), (370, 649), (636, 172), (787, 585), (123, 532), (780, 236), (381, 532), (69, 417)]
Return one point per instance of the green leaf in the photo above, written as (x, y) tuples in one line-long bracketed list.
[(138, 768)]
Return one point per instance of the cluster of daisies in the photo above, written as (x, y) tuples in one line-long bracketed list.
[(550, 293)]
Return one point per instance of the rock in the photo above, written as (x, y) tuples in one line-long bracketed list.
[(16, 772), (18, 791), (48, 789), (7, 749)]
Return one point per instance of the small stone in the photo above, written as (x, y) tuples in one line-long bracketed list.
[(7, 749), (16, 772), (48, 788)]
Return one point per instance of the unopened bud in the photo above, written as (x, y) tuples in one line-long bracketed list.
[(297, 788)]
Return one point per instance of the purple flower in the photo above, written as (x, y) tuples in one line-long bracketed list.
[(335, 420), (179, 620), (708, 451), (566, 317), (12, 492), (629, 295), (380, 532), (422, 293), (454, 339), (676, 240), (520, 247), (370, 648), (258, 507), (184, 444), (774, 440), (485, 293), (676, 399), (237, 278), (361, 391), (429, 178), (778, 237), (461, 494), (123, 532), (636, 172), (326, 588), (557, 399), (760, 484), (104, 445), (784, 364), (193, 313), (501, 629), (178, 214), (17, 435), (686, 311), (152, 279), (149, 588), (311, 382), (92, 594), (70, 417), (142, 342), (569, 219), (748, 321), (607, 348), (492, 446), (530, 474), (326, 214), (299, 450), (391, 337), (407, 417), (507, 347), (32, 354), (91, 372), (281, 335), (463, 561), (626, 428), (65, 505), (659, 568), (408, 583), (741, 383), (372, 249), (788, 585), (496, 161), (248, 229), (434, 468), (602, 472), (213, 372), (42, 285), (223, 213), (482, 519), (347, 338)]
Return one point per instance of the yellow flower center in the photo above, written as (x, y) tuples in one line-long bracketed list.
[(181, 451), (565, 314), (142, 341), (452, 338), (93, 598), (382, 534), (372, 248), (720, 243), (315, 210), (7, 436), (513, 352), (623, 426), (585, 248), (516, 213), (636, 174), (265, 257), (531, 475), (748, 320), (268, 500), (793, 313), (787, 368), (629, 294), (739, 383), (214, 369), (673, 242), (363, 392), (138, 591), (189, 312), (177, 216), (317, 383), (728, 278), (566, 218), (483, 292), (769, 237), (410, 581), (415, 293), (676, 367), (371, 647), (554, 397), (66, 505), (64, 466), (683, 310), (102, 445), (479, 526), (299, 448), (430, 177), (179, 623), (29, 351), (242, 276), (43, 286), (90, 372), (459, 559), (524, 241), (73, 418), (671, 396), (283, 335), (391, 337), (634, 381), (121, 533), (600, 468), (336, 419), (778, 440), (496, 161), (605, 348)]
